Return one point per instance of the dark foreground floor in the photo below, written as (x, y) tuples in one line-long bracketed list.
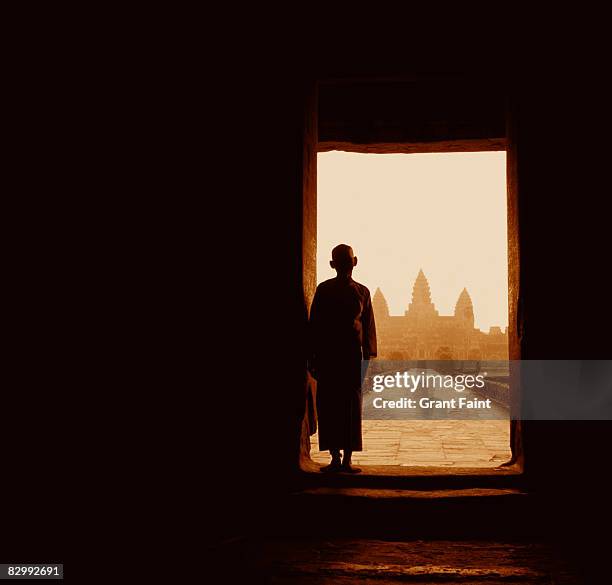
[(445, 529), (320, 561)]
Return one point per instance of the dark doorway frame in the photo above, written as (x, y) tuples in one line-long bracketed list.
[(444, 140)]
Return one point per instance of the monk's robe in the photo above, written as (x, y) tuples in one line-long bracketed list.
[(342, 333)]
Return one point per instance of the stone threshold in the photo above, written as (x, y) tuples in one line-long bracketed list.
[(415, 478), (418, 471), (446, 494)]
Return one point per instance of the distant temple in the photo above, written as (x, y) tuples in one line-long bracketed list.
[(421, 333)]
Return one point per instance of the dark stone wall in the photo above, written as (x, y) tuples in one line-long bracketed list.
[(561, 127), (262, 299), (415, 109)]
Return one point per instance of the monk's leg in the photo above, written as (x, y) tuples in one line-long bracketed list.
[(335, 462), (346, 462)]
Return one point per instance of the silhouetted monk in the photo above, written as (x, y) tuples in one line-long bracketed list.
[(342, 334)]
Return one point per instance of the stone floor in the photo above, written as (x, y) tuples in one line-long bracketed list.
[(443, 443), (340, 561)]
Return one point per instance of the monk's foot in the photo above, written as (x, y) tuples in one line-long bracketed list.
[(333, 466), (348, 468)]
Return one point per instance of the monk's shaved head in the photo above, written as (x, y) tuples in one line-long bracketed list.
[(343, 259), (343, 253)]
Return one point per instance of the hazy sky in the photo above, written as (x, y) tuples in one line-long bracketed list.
[(444, 213)]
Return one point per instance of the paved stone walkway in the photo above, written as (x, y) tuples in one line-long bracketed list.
[(443, 443)]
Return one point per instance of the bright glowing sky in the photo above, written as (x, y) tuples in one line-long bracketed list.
[(445, 213)]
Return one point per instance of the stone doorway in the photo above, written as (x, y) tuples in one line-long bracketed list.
[(432, 325)]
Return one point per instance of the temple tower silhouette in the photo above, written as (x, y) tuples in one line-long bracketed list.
[(464, 309), (380, 306), (421, 306), (421, 333)]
